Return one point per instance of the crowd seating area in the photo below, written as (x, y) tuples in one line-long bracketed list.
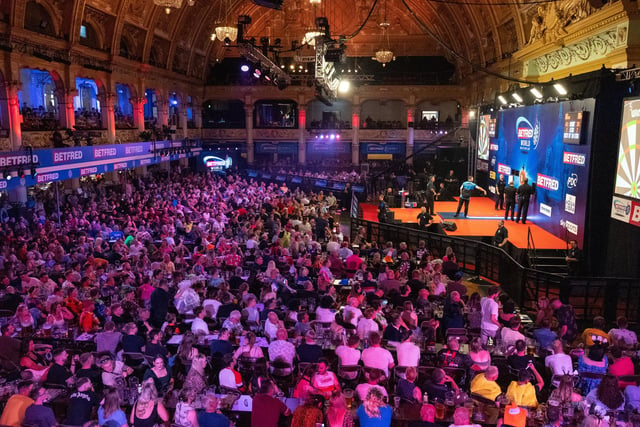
[(199, 300), (38, 119)]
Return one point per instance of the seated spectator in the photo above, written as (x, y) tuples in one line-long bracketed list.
[(520, 360), (407, 352), (110, 411), (186, 415), (596, 334), (406, 387), (484, 384), (439, 385), (87, 370), (349, 355), (109, 339), (479, 358), (374, 412), (281, 350), (544, 335), (309, 413), (622, 365), (522, 392), (593, 363), (81, 403), (366, 324), (621, 336), (58, 373), (451, 356), (565, 392), (196, 378), (373, 378), (14, 409), (160, 373), (461, 417), (376, 356), (199, 326), (131, 341), (305, 387), (272, 325), (154, 346), (559, 363), (325, 312), (249, 349), (606, 397), (37, 414), (324, 380), (228, 377), (351, 313), (511, 334), (148, 408), (453, 316), (211, 417), (337, 413), (396, 331), (309, 351), (221, 346), (427, 417), (113, 372)]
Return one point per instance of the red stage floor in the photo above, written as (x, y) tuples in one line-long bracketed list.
[(482, 221)]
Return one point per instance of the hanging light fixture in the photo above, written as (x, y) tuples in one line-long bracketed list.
[(223, 29), (310, 36), (384, 55), (168, 4)]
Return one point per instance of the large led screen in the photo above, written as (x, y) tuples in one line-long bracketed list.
[(625, 205), (529, 144)]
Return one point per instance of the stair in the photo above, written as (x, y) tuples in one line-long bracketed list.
[(551, 261)]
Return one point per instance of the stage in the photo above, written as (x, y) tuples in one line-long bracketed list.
[(481, 222)]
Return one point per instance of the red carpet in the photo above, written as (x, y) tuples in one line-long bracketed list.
[(483, 222)]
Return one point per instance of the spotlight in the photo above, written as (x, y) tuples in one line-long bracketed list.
[(266, 76), (257, 73), (502, 100), (560, 89), (244, 68), (536, 92), (8, 178), (332, 136), (472, 114), (344, 86), (338, 136), (517, 97)]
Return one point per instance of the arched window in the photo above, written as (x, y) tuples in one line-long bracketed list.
[(174, 110), (125, 48), (124, 110), (38, 102), (37, 19), (88, 36), (150, 108), (87, 105)]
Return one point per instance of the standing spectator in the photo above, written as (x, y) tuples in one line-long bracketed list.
[(606, 397), (159, 303), (109, 339), (567, 327), (266, 408), (559, 363), (81, 403), (211, 417), (490, 323), (544, 335)]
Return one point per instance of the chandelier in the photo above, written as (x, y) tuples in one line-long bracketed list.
[(384, 55), (311, 35), (168, 4), (223, 30)]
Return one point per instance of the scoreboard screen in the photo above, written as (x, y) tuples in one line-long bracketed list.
[(572, 131)]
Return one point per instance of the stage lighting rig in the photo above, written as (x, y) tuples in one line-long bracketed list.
[(266, 66)]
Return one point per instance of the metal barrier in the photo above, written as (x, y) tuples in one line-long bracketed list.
[(603, 296)]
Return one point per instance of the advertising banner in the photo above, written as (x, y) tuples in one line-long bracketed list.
[(530, 144)]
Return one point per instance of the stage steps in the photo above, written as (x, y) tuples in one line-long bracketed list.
[(549, 260)]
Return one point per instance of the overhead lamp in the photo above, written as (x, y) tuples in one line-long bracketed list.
[(560, 89), (344, 86), (517, 97), (224, 29), (502, 100), (311, 35), (244, 68), (257, 73), (472, 114), (168, 5), (536, 92)]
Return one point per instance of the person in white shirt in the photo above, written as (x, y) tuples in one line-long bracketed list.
[(621, 336), (282, 350), (376, 356), (228, 376), (408, 353), (372, 382), (366, 325), (351, 313), (199, 326), (559, 363), (349, 355), (490, 324), (510, 335)]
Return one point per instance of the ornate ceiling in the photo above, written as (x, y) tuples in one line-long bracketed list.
[(181, 42)]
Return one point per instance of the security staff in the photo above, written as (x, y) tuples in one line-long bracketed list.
[(431, 195), (524, 194), (501, 238), (423, 218), (500, 186), (510, 200), (382, 210)]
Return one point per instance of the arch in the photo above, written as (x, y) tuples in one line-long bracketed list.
[(91, 37), (383, 113), (42, 92), (228, 113), (39, 18), (127, 47), (320, 116)]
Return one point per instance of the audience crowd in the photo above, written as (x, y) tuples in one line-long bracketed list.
[(203, 300)]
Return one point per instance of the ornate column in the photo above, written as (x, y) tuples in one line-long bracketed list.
[(13, 114), (163, 112), (138, 112), (248, 110), (197, 116), (355, 127), (302, 130), (410, 133), (67, 111), (107, 103)]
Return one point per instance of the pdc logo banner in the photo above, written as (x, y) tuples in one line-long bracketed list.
[(528, 134)]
